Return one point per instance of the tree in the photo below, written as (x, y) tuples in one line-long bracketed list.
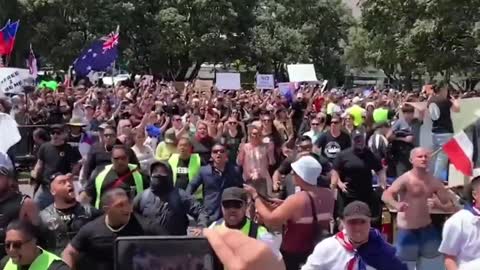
[(311, 31), (406, 38)]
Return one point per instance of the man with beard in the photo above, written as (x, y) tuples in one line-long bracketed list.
[(120, 174), (64, 218), (96, 239), (352, 175), (167, 205), (13, 205)]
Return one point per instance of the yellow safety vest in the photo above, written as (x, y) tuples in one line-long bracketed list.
[(137, 177), (42, 262), (194, 165), (245, 229), (380, 115)]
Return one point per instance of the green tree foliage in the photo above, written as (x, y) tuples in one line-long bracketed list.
[(174, 37), (406, 38)]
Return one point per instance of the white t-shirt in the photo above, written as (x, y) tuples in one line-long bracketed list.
[(461, 238), (329, 255)]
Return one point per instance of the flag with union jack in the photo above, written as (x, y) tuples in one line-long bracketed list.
[(99, 56)]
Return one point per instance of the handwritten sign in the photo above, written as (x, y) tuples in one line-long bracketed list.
[(265, 81), (12, 80)]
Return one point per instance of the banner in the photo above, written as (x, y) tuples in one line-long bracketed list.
[(265, 81), (12, 80), (302, 73), (228, 81)]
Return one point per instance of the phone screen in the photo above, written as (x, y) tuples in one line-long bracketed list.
[(163, 253)]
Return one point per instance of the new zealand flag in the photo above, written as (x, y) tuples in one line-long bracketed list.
[(98, 57)]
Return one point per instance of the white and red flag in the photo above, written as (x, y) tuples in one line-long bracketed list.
[(462, 149)]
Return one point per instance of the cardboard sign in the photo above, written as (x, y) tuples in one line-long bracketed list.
[(203, 85), (12, 80), (265, 81), (228, 81), (302, 73)]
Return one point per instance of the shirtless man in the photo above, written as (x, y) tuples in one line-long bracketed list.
[(418, 192)]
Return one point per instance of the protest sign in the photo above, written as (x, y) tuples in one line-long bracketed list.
[(10, 133), (287, 90), (302, 73), (12, 80), (203, 85), (265, 81), (228, 81)]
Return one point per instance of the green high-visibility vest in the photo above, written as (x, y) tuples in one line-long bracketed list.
[(245, 229), (380, 115), (137, 177), (42, 262), (194, 165)]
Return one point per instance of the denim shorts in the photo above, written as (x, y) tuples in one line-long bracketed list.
[(415, 243)]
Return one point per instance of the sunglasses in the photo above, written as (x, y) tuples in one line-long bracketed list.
[(15, 244), (109, 135), (315, 124), (218, 151), (232, 204)]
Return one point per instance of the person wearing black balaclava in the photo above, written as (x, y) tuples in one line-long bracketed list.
[(352, 175), (167, 205)]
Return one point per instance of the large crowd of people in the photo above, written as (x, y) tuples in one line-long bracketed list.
[(273, 181)]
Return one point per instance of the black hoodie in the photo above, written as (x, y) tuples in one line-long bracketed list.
[(169, 206)]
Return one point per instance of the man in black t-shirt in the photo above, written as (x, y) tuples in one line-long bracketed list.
[(304, 146), (96, 239), (439, 107), (333, 140), (55, 156), (352, 175)]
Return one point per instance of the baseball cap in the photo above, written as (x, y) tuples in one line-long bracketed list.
[(56, 127), (308, 169), (234, 194), (357, 210), (5, 171), (170, 136)]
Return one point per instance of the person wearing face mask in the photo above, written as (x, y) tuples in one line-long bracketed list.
[(168, 206), (352, 175)]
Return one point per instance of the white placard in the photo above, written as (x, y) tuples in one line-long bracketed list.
[(10, 133), (228, 81), (302, 73), (265, 81), (12, 80)]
